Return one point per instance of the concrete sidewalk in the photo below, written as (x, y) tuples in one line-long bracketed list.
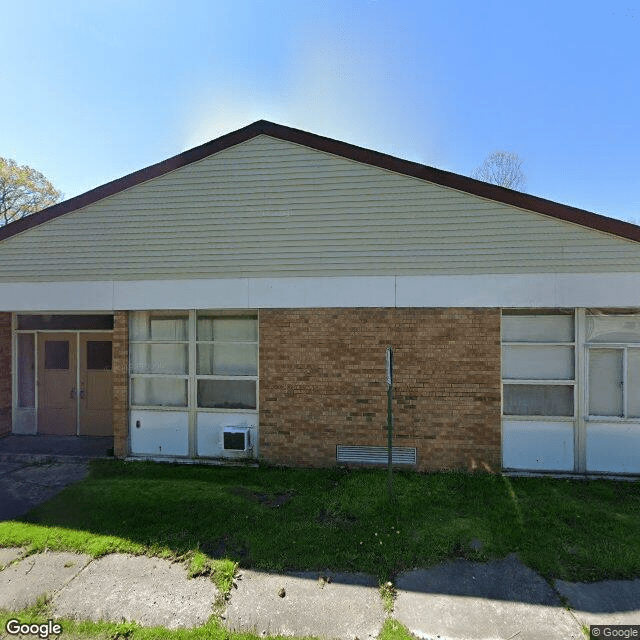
[(457, 600)]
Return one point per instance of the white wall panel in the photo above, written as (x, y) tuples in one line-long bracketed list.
[(537, 446), (161, 433), (613, 447), (321, 292), (182, 294), (510, 291), (57, 296)]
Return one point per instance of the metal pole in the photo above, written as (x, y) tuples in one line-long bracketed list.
[(390, 421)]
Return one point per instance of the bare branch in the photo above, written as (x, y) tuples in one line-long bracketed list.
[(503, 169)]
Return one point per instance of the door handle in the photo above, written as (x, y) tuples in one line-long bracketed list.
[(82, 391), (72, 395)]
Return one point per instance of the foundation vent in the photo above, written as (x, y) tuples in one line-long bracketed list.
[(375, 455)]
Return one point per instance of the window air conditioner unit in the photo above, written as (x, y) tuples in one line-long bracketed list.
[(237, 438)]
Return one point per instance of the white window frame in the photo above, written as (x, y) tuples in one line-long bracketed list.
[(133, 376), (192, 375), (198, 376), (541, 381), (624, 347)]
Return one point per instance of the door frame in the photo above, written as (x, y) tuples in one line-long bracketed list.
[(15, 409)]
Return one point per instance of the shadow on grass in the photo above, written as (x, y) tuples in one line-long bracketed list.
[(282, 519)]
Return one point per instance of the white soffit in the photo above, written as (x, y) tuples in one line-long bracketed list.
[(524, 291)]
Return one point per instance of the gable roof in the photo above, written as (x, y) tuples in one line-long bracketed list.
[(338, 148)]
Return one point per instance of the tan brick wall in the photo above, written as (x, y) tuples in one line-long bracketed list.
[(322, 383), (5, 374), (121, 383)]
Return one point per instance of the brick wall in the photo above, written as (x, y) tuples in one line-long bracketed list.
[(120, 371), (322, 383), (5, 374)]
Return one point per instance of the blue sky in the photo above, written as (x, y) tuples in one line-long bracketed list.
[(96, 89)]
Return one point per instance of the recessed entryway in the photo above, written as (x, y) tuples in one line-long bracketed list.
[(63, 379)]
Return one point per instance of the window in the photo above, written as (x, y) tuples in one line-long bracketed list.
[(614, 366), (214, 357), (159, 359), (538, 365), (227, 362), (614, 382)]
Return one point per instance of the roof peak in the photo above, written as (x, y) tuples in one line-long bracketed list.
[(338, 148)]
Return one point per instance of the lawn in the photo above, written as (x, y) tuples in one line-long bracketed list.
[(278, 519)]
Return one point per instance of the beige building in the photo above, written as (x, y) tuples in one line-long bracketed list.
[(237, 300)]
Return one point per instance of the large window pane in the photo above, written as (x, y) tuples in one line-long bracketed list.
[(538, 400), (26, 370), (633, 382), (159, 358), (605, 382), (537, 362), (159, 392), (541, 328), (227, 394), (228, 359), (227, 329), (146, 325)]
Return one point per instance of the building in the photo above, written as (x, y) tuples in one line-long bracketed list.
[(237, 300)]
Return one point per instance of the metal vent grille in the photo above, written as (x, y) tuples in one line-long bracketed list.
[(376, 455)]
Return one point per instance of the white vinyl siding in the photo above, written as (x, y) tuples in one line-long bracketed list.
[(269, 208)]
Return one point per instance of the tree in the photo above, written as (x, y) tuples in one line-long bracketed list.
[(503, 169), (23, 191)]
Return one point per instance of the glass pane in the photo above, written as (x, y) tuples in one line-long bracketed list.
[(537, 363), (613, 328), (56, 354), (26, 370), (146, 325), (605, 382), (159, 392), (227, 329), (159, 358), (99, 355), (537, 400), (227, 394), (633, 382), (50, 322), (542, 328), (228, 359)]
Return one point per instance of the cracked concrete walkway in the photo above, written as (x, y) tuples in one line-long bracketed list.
[(457, 600)]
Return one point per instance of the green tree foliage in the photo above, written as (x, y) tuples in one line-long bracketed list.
[(23, 191)]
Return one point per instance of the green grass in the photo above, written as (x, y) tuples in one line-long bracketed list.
[(278, 519), (79, 630)]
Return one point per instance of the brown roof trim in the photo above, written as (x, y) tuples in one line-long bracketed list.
[(345, 150)]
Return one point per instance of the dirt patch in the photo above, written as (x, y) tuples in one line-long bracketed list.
[(227, 547), (272, 500), (335, 519)]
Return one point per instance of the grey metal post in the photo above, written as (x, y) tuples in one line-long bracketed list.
[(390, 421)]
